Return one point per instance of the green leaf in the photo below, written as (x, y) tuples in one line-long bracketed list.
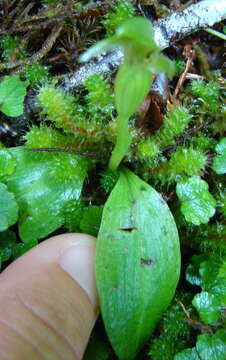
[(192, 272), (212, 346), (12, 93), (208, 306), (21, 248), (187, 354), (7, 163), (139, 32), (219, 161), (7, 242), (210, 275), (198, 205), (8, 209), (137, 263), (208, 347), (160, 63), (133, 34), (73, 212), (99, 48), (132, 84), (91, 220), (44, 185)]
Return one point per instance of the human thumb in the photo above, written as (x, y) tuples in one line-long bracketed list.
[(48, 300)]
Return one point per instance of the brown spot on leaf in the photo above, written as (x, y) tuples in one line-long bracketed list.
[(143, 188), (115, 287), (128, 229), (146, 262)]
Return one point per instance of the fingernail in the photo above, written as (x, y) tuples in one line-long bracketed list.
[(78, 261)]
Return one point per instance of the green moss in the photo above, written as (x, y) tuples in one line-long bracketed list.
[(174, 124), (186, 161), (100, 99), (60, 108), (46, 137), (207, 94), (108, 180), (147, 152), (122, 11), (9, 45), (99, 91), (175, 332), (179, 66), (36, 73), (203, 142)]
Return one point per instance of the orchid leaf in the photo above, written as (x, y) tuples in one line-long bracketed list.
[(138, 263), (99, 48)]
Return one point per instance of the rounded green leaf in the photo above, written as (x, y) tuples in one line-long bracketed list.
[(12, 93), (219, 161), (208, 305), (137, 264), (197, 204), (47, 187), (208, 347), (7, 243), (7, 163), (8, 208)]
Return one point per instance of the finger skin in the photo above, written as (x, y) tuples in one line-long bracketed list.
[(44, 312)]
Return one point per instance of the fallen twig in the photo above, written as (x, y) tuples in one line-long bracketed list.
[(166, 32), (189, 54), (46, 47)]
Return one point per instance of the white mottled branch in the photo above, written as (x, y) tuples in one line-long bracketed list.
[(196, 17), (166, 32)]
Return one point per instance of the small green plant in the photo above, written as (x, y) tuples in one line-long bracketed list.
[(142, 57), (207, 347), (131, 248), (208, 272), (198, 205), (12, 93), (219, 162)]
